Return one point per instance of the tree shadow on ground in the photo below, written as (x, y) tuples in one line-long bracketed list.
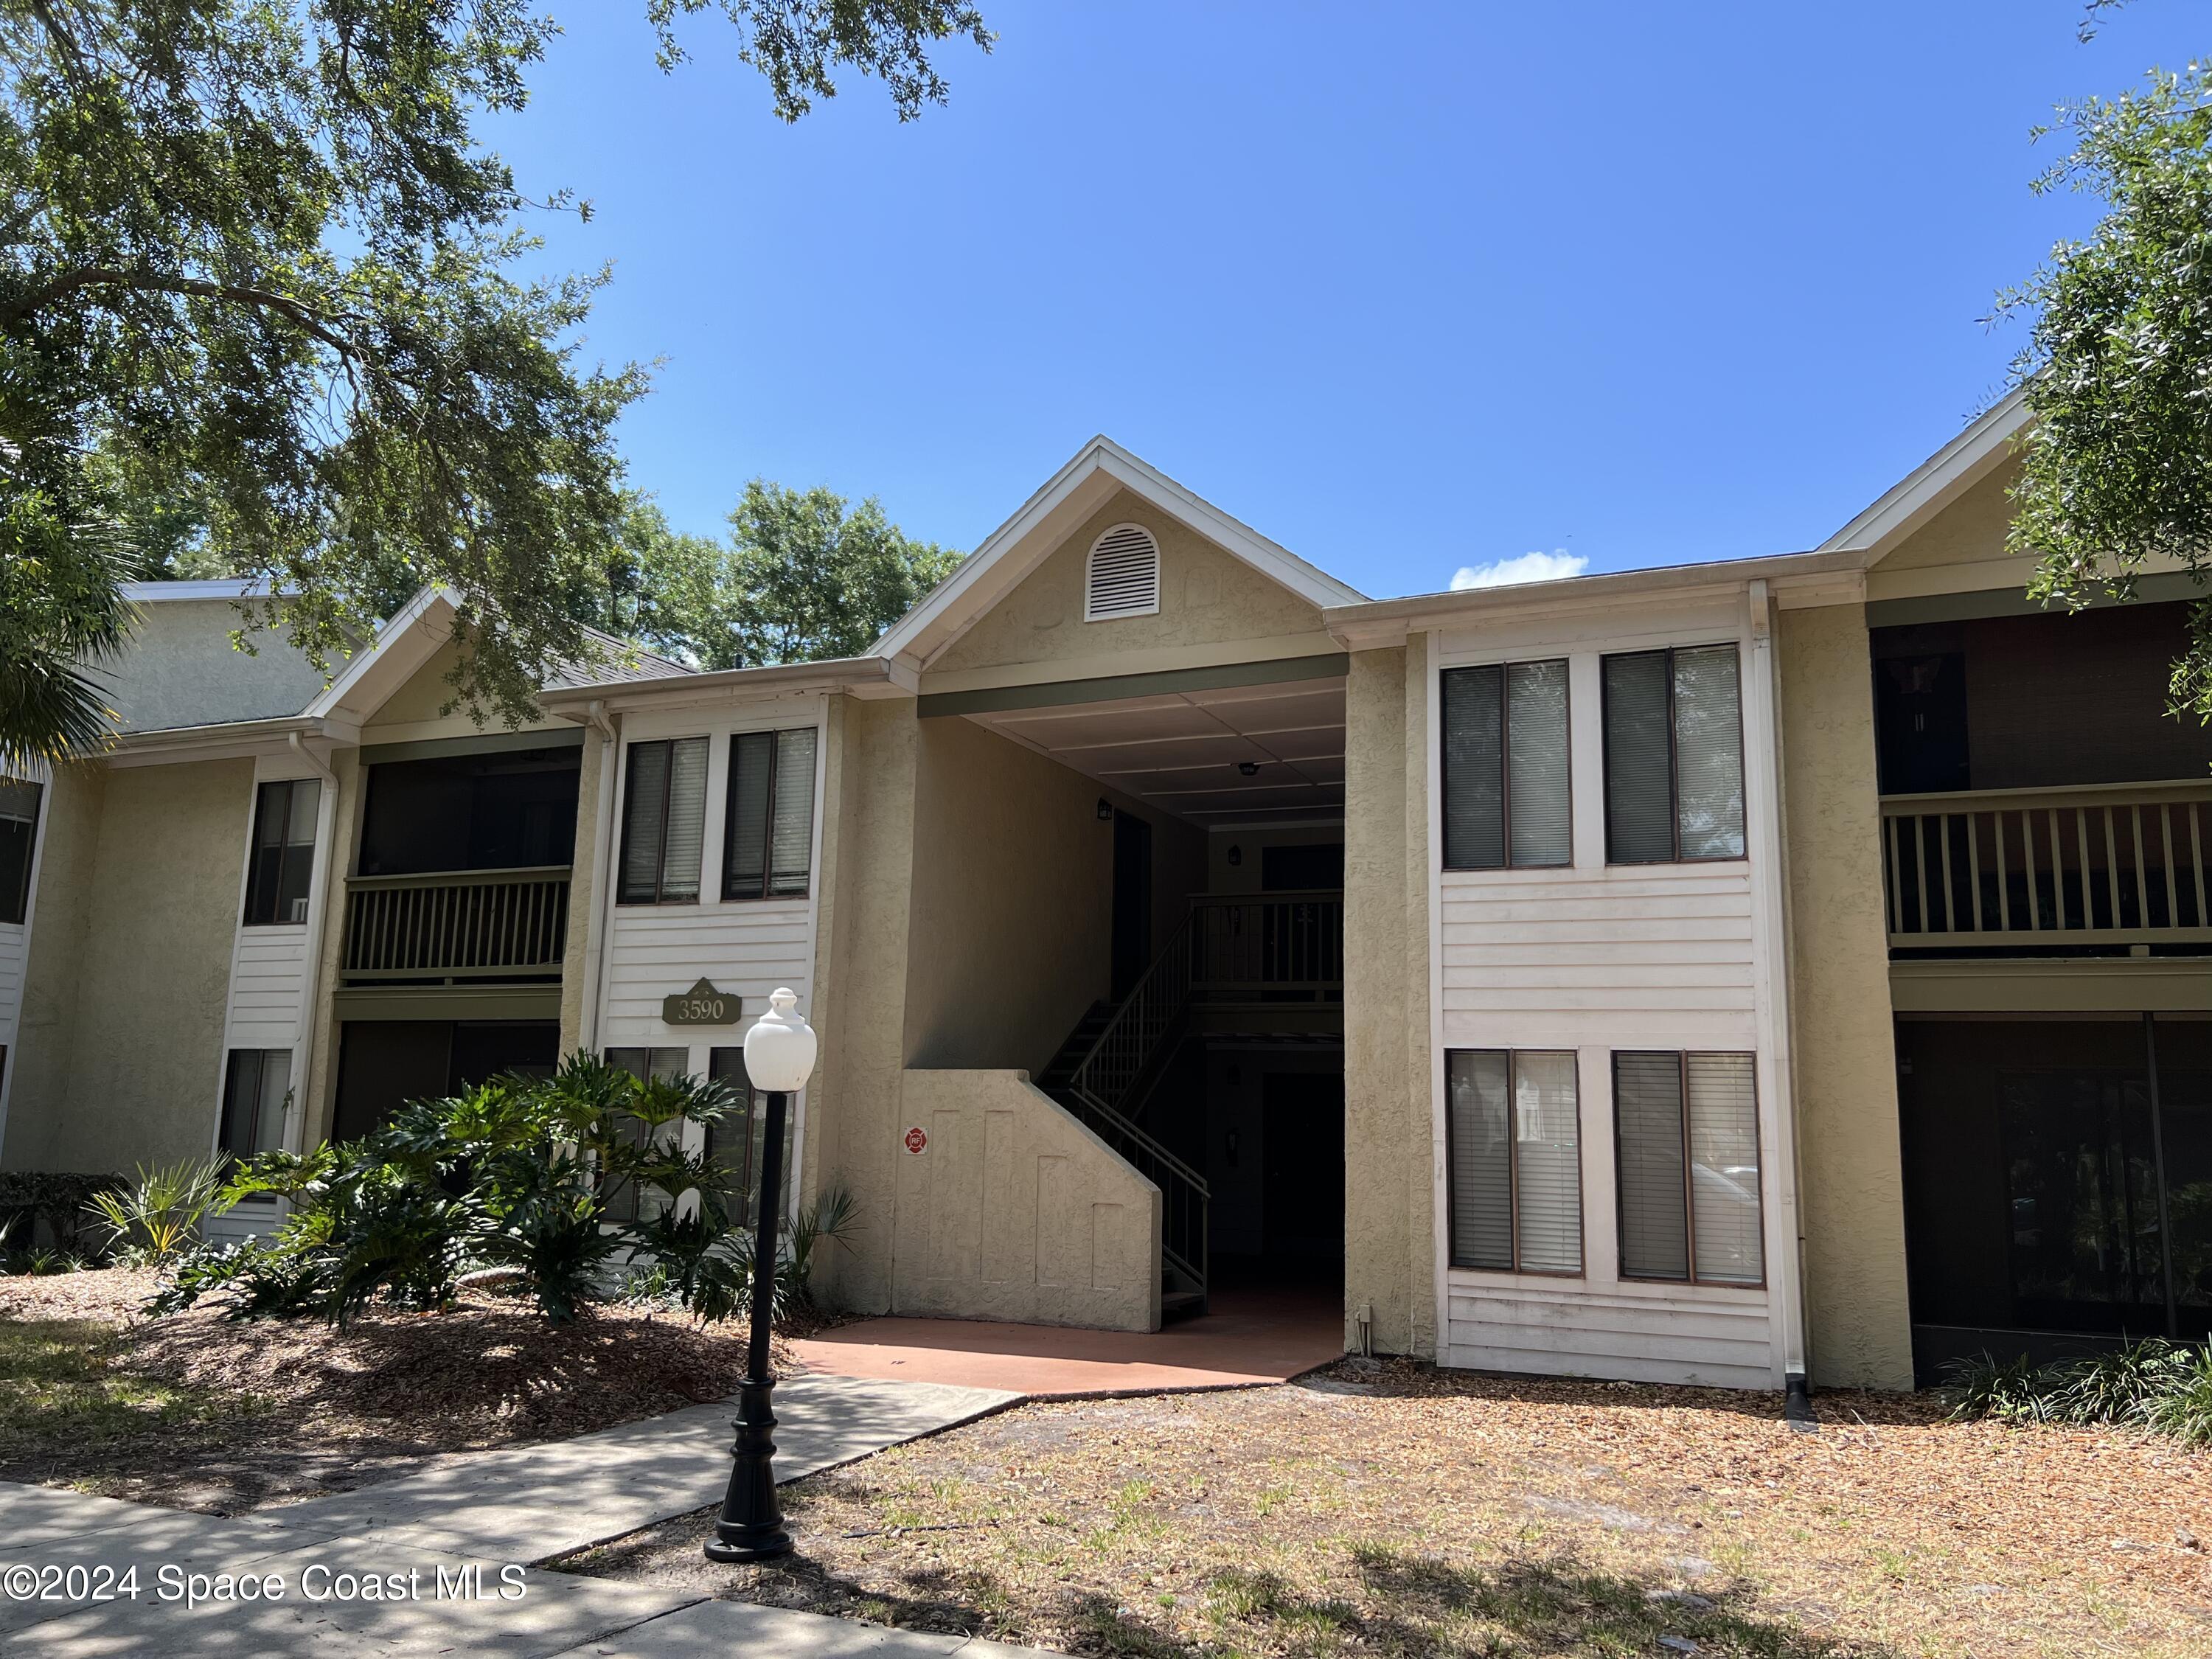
[(1405, 1606)]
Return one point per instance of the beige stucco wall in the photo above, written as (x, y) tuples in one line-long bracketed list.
[(860, 983), (1970, 529), (416, 712), (46, 1037), (1389, 1166), (1015, 1211), (1852, 1179), (1209, 597), (159, 902), (1013, 887)]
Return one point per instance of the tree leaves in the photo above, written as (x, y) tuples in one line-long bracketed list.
[(2117, 468)]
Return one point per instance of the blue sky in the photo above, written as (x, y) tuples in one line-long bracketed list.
[(1409, 288)]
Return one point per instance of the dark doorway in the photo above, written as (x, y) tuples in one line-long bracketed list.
[(1132, 902), (1303, 1184), (1920, 723), (384, 1064), (1318, 868)]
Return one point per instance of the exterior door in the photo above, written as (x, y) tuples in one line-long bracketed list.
[(1132, 902)]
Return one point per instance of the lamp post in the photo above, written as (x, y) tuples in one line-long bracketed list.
[(779, 1059)]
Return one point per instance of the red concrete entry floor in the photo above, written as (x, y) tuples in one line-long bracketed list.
[(1250, 1335)]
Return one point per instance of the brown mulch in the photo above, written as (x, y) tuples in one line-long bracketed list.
[(285, 1409), (1401, 1510)]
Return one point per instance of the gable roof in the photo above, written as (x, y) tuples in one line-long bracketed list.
[(1043, 522), (1934, 483)]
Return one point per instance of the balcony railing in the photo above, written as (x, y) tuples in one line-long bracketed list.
[(2087, 867), (1270, 944), (473, 924)]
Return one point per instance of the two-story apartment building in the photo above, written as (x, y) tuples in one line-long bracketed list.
[(1725, 973)]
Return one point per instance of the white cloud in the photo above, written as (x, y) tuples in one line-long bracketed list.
[(1529, 568)]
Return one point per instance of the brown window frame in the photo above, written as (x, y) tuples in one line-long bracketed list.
[(1673, 765), (268, 892), (1581, 1269), (776, 735), (1689, 1275)]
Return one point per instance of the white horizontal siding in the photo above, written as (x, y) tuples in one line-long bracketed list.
[(15, 947), (1716, 1337), (746, 949), (241, 1222), (1593, 940), (268, 979)]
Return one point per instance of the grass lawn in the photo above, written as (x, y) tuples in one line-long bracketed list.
[(1409, 1512), (203, 1413)]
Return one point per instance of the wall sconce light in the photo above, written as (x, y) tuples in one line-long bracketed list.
[(1236, 857), (1250, 769), (1105, 810)]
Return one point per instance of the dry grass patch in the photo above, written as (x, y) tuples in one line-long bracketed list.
[(1408, 1512), (202, 1412)]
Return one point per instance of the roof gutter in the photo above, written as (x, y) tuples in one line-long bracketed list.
[(574, 702)]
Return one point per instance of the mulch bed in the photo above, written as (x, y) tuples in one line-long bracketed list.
[(285, 1409), (1405, 1511)]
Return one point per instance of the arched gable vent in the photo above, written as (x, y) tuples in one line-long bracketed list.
[(1123, 576)]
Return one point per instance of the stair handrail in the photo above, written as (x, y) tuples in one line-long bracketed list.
[(1165, 982), (1151, 1148)]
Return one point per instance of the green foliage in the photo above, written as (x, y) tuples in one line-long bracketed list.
[(805, 576), (2117, 470), (723, 1289), (56, 1199), (262, 302), (2158, 1384), (157, 1218), (532, 1175)]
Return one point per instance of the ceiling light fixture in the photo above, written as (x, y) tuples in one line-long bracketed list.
[(1250, 769)]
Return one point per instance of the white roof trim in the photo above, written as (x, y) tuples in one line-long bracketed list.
[(401, 645), (1935, 483), (227, 587), (979, 583)]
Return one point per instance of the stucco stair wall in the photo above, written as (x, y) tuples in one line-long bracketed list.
[(1014, 1210)]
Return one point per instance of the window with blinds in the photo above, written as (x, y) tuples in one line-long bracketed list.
[(625, 1202), (282, 858), (1674, 755), (736, 1141), (767, 843), (1504, 767), (1687, 1127), (19, 832), (1514, 1161), (257, 1085), (664, 822)]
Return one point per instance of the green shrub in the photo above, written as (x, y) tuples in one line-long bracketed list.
[(2164, 1386), (533, 1176), (55, 1198), (154, 1219)]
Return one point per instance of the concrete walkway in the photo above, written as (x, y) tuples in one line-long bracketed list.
[(448, 1551), (1249, 1337)]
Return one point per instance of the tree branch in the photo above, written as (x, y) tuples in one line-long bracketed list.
[(301, 316)]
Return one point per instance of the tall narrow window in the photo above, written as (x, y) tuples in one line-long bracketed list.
[(1505, 766), (768, 846), (1515, 1161), (257, 1083), (664, 1064), (283, 854), (734, 1143), (1674, 755), (1687, 1129), (664, 822), (19, 832)]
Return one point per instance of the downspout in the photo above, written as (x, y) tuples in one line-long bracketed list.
[(326, 818), (1774, 901), (587, 1012)]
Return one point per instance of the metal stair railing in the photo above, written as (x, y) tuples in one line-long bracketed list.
[(1135, 1041)]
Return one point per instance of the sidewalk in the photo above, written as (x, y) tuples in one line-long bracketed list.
[(415, 1566)]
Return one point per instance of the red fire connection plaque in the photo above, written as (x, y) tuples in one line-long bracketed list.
[(916, 1140)]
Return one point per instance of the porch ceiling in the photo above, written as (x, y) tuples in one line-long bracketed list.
[(1181, 751)]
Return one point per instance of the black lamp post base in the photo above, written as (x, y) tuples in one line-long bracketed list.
[(751, 1528)]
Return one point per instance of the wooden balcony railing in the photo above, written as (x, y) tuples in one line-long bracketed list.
[(2089, 867), (1269, 943), (472, 923)]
